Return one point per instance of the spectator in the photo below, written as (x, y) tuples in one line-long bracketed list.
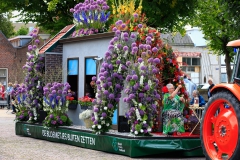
[(2, 91), (190, 86), (8, 92), (210, 82), (200, 98), (14, 99), (173, 105)]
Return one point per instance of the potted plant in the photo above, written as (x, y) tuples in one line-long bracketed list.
[(72, 104), (86, 117), (85, 102)]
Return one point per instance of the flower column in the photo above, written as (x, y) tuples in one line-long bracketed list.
[(34, 78)]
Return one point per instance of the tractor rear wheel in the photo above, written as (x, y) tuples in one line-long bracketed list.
[(220, 128)]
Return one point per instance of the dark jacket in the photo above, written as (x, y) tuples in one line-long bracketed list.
[(201, 101), (209, 89)]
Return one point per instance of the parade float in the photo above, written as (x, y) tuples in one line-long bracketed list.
[(135, 68)]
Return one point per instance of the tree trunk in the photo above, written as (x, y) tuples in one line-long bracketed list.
[(228, 65)]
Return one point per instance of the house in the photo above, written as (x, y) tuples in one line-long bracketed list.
[(13, 57), (79, 58), (196, 60)]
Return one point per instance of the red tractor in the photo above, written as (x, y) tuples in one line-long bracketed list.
[(220, 125)]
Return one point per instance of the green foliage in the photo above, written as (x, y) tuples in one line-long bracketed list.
[(22, 31), (169, 15), (53, 15), (54, 120), (6, 25), (218, 27)]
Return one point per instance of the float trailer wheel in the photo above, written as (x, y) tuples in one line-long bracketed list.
[(220, 127)]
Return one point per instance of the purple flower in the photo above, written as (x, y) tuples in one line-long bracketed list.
[(156, 60), (53, 122), (104, 115), (143, 68), (96, 109), (110, 106), (146, 87), (155, 49), (133, 36), (106, 92), (111, 96), (30, 47), (123, 26), (140, 26), (135, 77), (114, 29), (125, 48), (141, 95), (140, 60), (154, 71), (128, 63), (95, 122), (135, 15), (94, 78), (51, 116)]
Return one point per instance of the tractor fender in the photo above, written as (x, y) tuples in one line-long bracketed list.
[(233, 88)]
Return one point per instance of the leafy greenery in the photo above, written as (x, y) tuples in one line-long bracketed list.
[(218, 27), (53, 15), (6, 26), (22, 31)]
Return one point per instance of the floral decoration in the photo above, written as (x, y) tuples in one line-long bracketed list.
[(85, 101), (56, 104), (23, 112), (71, 100), (90, 16), (85, 114), (34, 77)]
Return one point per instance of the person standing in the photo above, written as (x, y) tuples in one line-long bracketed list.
[(210, 82), (8, 92), (2, 93), (172, 114)]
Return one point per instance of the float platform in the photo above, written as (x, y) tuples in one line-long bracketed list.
[(115, 142)]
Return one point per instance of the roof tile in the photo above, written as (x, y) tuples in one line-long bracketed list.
[(57, 37)]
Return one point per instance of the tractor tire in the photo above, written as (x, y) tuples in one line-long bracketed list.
[(220, 132)]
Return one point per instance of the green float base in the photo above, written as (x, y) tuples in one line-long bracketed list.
[(115, 143)]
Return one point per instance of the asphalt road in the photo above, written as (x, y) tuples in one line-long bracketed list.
[(14, 147)]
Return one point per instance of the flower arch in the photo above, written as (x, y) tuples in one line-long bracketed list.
[(134, 60)]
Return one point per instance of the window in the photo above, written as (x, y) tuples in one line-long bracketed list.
[(223, 77), (72, 77), (191, 61), (90, 71), (188, 69)]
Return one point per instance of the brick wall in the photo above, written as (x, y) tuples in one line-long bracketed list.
[(53, 67), (7, 56)]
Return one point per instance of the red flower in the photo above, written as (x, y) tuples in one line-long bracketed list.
[(164, 89)]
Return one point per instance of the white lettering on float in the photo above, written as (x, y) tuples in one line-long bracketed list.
[(69, 137)]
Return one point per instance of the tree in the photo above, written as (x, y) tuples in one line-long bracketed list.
[(218, 28), (6, 25), (53, 15), (22, 31)]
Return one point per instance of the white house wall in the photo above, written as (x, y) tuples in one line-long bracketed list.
[(82, 49)]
